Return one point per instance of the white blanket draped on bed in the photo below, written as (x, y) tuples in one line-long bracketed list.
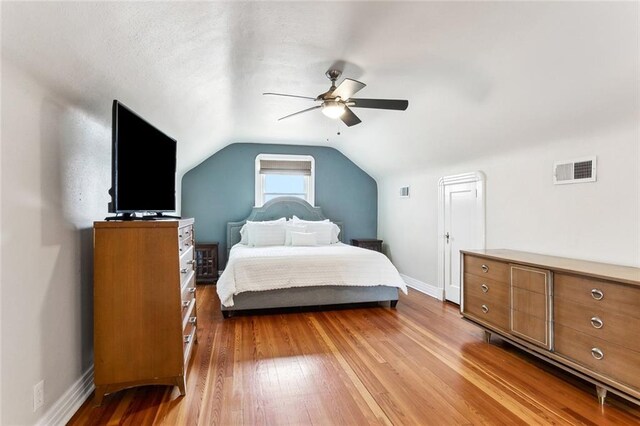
[(269, 268)]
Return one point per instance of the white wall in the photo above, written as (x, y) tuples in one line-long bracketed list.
[(524, 210), (54, 177)]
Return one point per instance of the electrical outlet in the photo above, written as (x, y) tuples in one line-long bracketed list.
[(38, 395)]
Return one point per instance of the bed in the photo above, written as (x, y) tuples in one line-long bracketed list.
[(284, 276)]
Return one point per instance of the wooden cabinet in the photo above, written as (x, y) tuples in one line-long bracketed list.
[(206, 263), (368, 243), (144, 303), (581, 316)]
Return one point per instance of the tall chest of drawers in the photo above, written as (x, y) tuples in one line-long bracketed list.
[(581, 316), (144, 303)]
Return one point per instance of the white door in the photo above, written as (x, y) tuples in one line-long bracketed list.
[(463, 229)]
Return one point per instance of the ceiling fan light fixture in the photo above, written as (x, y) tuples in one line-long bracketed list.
[(333, 109)]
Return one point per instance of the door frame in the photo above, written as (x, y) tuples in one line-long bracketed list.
[(479, 178)]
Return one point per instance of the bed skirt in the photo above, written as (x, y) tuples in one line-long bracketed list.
[(311, 296)]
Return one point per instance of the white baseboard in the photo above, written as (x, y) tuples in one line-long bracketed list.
[(428, 289), (67, 405)]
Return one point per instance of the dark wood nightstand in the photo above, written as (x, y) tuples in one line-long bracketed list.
[(207, 263), (368, 243)]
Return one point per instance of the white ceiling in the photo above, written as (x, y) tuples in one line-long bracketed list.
[(479, 77)]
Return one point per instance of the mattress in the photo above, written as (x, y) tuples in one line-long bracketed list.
[(280, 267)]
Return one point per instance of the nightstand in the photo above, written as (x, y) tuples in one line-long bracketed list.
[(207, 263), (368, 243)]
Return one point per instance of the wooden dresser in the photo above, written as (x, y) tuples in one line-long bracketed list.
[(144, 303), (581, 316)]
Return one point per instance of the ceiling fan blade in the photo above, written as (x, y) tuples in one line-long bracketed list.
[(349, 118), (290, 96), (299, 112), (347, 88), (395, 104)]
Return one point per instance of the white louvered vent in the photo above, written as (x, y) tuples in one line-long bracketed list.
[(404, 192), (575, 171)]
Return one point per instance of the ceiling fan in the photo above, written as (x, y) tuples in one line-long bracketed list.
[(337, 101)]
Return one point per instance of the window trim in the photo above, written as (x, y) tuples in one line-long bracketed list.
[(259, 178)]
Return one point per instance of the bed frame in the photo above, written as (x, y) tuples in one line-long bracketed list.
[(299, 296)]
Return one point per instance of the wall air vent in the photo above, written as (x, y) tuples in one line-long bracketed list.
[(404, 192), (574, 171)]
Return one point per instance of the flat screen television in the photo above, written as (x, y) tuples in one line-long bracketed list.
[(143, 167)]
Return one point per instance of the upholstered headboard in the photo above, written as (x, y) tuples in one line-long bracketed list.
[(275, 209)]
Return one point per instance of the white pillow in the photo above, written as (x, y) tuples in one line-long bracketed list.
[(297, 219), (244, 235), (303, 239), (266, 234), (244, 231), (290, 227), (323, 230)]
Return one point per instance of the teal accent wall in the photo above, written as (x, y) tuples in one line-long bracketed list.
[(222, 189)]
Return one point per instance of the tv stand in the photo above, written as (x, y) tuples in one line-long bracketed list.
[(159, 216), (132, 216), (123, 216)]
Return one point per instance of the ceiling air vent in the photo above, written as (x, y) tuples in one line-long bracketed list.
[(404, 192), (575, 171)]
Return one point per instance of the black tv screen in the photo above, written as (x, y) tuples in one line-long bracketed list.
[(143, 165)]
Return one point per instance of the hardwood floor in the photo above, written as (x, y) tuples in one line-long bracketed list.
[(418, 364)]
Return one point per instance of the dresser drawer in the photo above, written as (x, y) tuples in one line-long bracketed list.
[(189, 338), (185, 244), (616, 362), (530, 303), (189, 316), (599, 294), (488, 290), (185, 232), (188, 295), (486, 268), (531, 279), (531, 328), (187, 265), (495, 314), (598, 322)]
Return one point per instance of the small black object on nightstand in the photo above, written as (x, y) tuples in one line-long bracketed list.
[(207, 263), (368, 243)]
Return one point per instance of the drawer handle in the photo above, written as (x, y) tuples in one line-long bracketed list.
[(596, 322), (597, 294), (191, 262), (485, 288), (485, 308), (193, 290), (597, 353), (186, 244), (179, 235), (188, 338), (192, 320), (185, 303), (184, 270), (485, 268)]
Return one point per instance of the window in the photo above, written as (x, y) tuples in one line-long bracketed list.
[(284, 176)]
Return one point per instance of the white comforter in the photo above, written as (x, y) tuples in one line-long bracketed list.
[(269, 268)]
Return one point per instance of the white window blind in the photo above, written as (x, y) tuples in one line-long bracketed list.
[(285, 167)]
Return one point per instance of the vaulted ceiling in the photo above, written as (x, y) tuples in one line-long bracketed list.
[(480, 77)]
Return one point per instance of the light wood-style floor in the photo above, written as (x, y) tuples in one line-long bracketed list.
[(418, 364)]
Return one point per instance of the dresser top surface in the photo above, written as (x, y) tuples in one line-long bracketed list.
[(625, 274), (163, 223)]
